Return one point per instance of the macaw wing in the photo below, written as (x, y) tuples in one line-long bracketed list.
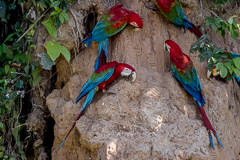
[(109, 25), (95, 80), (190, 81)]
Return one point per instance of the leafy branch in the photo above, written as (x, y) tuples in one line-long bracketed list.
[(219, 25), (216, 57)]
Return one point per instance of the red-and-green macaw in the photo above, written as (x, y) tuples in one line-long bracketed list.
[(183, 70), (215, 73), (172, 9), (105, 75), (112, 22)]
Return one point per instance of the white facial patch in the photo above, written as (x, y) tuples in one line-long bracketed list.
[(126, 72), (134, 24)]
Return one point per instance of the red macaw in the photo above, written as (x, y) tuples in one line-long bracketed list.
[(112, 22), (105, 75), (183, 70), (215, 73), (172, 9)]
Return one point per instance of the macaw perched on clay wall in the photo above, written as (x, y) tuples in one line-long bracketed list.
[(172, 9), (112, 22), (105, 75), (215, 73), (184, 71)]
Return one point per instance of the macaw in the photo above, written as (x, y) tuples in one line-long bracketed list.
[(105, 75), (215, 73), (172, 9), (112, 22), (184, 71)]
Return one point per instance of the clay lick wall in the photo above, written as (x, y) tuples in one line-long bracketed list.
[(153, 118)]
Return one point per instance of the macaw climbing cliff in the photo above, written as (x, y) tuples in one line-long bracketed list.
[(152, 118)]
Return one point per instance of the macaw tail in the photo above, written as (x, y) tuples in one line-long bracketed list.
[(192, 28), (88, 40), (102, 54), (86, 103), (209, 127)]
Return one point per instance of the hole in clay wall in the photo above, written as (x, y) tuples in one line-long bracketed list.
[(90, 21)]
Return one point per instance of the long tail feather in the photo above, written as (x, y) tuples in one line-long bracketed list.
[(102, 54), (209, 127), (192, 28), (86, 103), (88, 40), (211, 140), (81, 113)]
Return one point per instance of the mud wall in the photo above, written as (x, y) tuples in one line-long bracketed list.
[(153, 118)]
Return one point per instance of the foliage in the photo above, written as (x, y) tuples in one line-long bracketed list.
[(219, 25), (218, 2), (54, 49), (17, 69), (57, 16), (216, 57)]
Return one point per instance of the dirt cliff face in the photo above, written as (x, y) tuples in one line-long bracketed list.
[(153, 118)]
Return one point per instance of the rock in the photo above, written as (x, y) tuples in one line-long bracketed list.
[(153, 118)]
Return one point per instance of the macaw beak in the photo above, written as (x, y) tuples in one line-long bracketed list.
[(136, 29), (133, 76)]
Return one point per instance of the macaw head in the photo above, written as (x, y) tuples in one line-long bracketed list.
[(127, 71), (135, 20), (213, 73), (172, 48)]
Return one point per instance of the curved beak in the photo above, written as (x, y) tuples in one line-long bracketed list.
[(133, 76), (136, 29)]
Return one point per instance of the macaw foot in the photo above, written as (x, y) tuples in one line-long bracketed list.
[(211, 139)]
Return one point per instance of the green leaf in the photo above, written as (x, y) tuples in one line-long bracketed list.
[(35, 73), (55, 4), (9, 37), (236, 71), (1, 128), (54, 49), (11, 6), (61, 18), (219, 66), (26, 69), (4, 48), (236, 62), (228, 65), (53, 13), (19, 84), (36, 80), (2, 8), (230, 20), (65, 15), (51, 28), (6, 68), (223, 72), (46, 61)]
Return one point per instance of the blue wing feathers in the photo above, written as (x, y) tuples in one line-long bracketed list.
[(94, 81), (88, 40), (191, 83)]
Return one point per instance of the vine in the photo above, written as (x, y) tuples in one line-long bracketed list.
[(18, 71)]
